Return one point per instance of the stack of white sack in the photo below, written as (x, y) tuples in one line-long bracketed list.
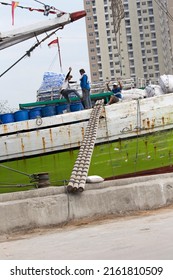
[(153, 90), (51, 81), (133, 94), (166, 83)]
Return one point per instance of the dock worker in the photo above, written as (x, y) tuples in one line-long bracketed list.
[(85, 86), (66, 89), (116, 90)]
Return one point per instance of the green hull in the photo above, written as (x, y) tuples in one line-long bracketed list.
[(122, 157)]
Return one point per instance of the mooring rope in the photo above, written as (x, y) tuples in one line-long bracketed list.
[(80, 170)]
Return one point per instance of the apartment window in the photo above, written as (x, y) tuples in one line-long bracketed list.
[(148, 51), (131, 62), (150, 67), (107, 24), (126, 15), (143, 52), (154, 51), (129, 38), (109, 40), (106, 9), (141, 37), (111, 65), (144, 11), (145, 68), (153, 35), (112, 73), (144, 60), (150, 4), (140, 29), (132, 70), (147, 35), (110, 56), (92, 50), (151, 19), (140, 20), (150, 11), (110, 48), (145, 19), (146, 27), (144, 3), (127, 22), (142, 44), (97, 42), (156, 67), (130, 47), (147, 43), (138, 5), (93, 58), (108, 33), (139, 13), (156, 59), (152, 27), (95, 26), (149, 59), (128, 30), (106, 17), (154, 44)]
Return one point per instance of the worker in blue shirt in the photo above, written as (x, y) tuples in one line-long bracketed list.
[(116, 90), (85, 86)]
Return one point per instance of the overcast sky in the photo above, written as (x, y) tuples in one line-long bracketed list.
[(21, 83)]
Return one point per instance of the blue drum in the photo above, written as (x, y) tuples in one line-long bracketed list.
[(21, 115), (48, 111), (7, 118)]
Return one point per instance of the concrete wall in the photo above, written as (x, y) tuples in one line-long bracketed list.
[(53, 206)]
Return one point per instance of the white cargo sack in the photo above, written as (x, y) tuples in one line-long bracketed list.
[(94, 179), (166, 83)]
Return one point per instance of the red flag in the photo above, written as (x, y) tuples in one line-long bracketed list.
[(53, 43), (13, 5)]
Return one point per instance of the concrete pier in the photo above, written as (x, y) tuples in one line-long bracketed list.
[(54, 206)]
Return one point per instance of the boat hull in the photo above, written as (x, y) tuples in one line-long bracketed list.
[(133, 138)]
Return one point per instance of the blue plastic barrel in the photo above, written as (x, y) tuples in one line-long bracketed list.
[(48, 111), (21, 115), (61, 108), (7, 118), (77, 106), (34, 113)]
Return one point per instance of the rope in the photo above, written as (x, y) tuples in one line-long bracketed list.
[(80, 170), (12, 169), (51, 10), (28, 53)]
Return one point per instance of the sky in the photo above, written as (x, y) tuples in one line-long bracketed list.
[(20, 84)]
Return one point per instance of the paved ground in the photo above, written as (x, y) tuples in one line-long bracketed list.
[(147, 235)]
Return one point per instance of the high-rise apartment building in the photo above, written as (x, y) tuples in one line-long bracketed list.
[(128, 39)]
